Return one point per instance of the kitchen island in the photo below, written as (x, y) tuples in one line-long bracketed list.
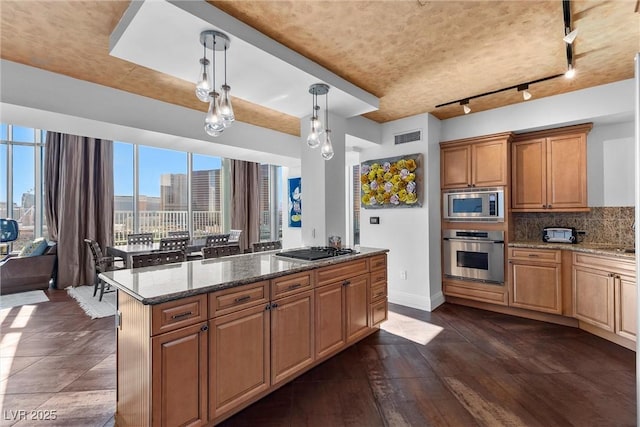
[(198, 341)]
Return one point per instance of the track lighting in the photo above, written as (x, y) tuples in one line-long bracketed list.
[(526, 95), (465, 106)]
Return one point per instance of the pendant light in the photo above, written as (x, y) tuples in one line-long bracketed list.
[(318, 138), (220, 114)]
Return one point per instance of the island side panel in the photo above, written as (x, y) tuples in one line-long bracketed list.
[(134, 362)]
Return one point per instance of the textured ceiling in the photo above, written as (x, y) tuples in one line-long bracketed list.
[(413, 54)]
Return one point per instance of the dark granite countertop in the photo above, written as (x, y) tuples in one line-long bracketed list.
[(155, 285), (591, 248)]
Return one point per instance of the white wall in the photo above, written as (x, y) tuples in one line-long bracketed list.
[(610, 164), (408, 233)]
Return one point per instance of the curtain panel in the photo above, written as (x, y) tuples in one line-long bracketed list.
[(245, 201), (78, 180)]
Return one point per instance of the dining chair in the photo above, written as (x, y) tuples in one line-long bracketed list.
[(217, 239), (267, 246), (174, 244), (234, 235), (181, 233), (140, 239), (156, 258), (220, 251), (102, 264)]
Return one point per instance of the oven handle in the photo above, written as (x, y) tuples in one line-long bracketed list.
[(472, 241)]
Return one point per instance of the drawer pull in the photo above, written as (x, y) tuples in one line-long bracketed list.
[(204, 328), (182, 315), (242, 298), (346, 283), (294, 286), (534, 255)]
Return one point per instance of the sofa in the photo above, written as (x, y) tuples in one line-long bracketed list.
[(29, 270)]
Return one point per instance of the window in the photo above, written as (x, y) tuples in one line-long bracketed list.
[(270, 195), (206, 195), (123, 213)]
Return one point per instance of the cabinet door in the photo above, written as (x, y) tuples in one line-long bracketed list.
[(567, 171), (535, 287), (179, 377), (239, 358), (329, 325), (292, 335), (357, 306), (593, 297), (528, 174), (626, 307), (455, 167), (489, 164)]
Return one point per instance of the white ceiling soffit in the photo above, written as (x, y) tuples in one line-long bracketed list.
[(164, 36)]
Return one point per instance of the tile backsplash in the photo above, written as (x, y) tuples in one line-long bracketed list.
[(606, 225)]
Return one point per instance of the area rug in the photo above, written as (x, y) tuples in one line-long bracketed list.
[(22, 298), (90, 304)]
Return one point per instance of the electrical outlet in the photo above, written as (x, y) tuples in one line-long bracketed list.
[(403, 274)]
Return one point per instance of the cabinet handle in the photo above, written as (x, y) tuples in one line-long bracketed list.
[(181, 315), (346, 283), (243, 298), (204, 328), (549, 206), (611, 275), (274, 305), (295, 286), (268, 307), (533, 255)]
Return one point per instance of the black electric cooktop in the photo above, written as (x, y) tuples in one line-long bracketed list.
[(315, 253)]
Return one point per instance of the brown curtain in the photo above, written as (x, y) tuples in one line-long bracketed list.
[(78, 179), (245, 202)]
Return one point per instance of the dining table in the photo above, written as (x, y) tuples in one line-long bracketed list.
[(126, 252)]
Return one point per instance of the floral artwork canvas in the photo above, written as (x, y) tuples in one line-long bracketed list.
[(295, 202), (391, 182)]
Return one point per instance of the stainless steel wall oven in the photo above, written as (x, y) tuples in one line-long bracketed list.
[(474, 255)]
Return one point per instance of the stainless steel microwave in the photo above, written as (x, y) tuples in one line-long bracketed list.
[(474, 204)]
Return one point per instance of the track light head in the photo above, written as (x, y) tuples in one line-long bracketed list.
[(524, 88), (570, 36), (465, 106)]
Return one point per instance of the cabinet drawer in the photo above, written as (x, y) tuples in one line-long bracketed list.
[(333, 273), (378, 276), (539, 255), (291, 284), (378, 312), (378, 291), (176, 314), (233, 299), (378, 261), (604, 263)]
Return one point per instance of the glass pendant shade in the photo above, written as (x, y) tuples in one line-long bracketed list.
[(326, 150), (313, 140), (203, 87), (225, 107), (213, 122)]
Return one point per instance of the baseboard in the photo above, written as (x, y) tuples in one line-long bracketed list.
[(420, 302)]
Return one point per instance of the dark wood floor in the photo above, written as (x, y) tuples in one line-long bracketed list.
[(457, 366)]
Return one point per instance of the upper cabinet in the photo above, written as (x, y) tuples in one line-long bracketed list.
[(475, 162), (549, 170)]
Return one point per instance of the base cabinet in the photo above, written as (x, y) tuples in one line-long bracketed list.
[(593, 297), (535, 280), (239, 359), (330, 319), (626, 306), (357, 307)]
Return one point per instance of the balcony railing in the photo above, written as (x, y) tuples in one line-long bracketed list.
[(161, 222)]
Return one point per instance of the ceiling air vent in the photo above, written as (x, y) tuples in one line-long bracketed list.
[(402, 138)]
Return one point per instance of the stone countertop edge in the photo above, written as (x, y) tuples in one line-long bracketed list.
[(300, 267), (590, 248)]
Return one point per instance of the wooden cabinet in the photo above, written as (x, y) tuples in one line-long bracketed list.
[(378, 293), (179, 378), (292, 335), (535, 279), (357, 307), (549, 170), (330, 319), (475, 162), (239, 355), (604, 293)]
